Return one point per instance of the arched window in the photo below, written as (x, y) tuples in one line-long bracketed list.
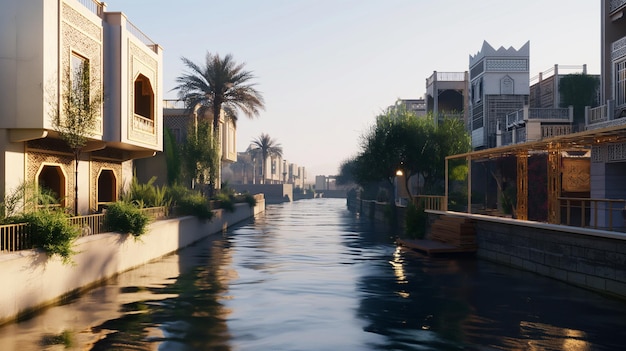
[(144, 97), (51, 178), (107, 187)]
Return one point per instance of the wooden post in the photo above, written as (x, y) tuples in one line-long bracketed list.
[(522, 185)]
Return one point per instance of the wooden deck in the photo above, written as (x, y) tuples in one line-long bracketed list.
[(432, 247)]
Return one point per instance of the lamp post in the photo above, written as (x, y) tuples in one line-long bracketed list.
[(399, 173)]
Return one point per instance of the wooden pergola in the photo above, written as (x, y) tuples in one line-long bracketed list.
[(553, 147)]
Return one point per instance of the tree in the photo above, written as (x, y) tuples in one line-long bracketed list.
[(76, 116), (221, 84), (402, 141), (579, 90), (201, 155), (265, 147), (172, 157)]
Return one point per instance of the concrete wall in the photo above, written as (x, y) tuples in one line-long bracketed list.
[(34, 280), (274, 193)]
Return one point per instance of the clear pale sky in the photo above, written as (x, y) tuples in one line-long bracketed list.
[(326, 68)]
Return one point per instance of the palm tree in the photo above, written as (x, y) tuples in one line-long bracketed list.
[(221, 84), (266, 147)]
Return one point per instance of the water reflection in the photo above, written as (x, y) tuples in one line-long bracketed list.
[(311, 276)]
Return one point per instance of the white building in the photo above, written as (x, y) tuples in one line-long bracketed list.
[(42, 39)]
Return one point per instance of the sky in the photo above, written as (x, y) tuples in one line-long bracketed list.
[(327, 68)]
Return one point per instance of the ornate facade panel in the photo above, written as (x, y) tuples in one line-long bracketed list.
[(507, 65), (141, 62), (598, 153), (83, 36), (34, 160), (616, 152), (96, 166), (576, 175)]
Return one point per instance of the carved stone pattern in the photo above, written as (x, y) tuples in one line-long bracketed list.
[(73, 38), (34, 159), (598, 153), (615, 4), (506, 65), (616, 152), (618, 48), (607, 124), (136, 52), (178, 122), (95, 167), (75, 18)]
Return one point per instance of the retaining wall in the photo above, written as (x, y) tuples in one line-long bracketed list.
[(32, 280), (592, 259)]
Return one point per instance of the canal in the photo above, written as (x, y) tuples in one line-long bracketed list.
[(310, 275)]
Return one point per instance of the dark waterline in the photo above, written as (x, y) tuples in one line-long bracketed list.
[(310, 275)]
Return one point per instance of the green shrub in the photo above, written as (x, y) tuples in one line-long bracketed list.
[(415, 222), (124, 217), (194, 204), (51, 231), (226, 201), (249, 198)]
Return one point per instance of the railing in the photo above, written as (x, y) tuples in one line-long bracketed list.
[(143, 124), (89, 224), (555, 130), (15, 237), (94, 6), (167, 103), (597, 114), (562, 113), (141, 36), (431, 202), (445, 77), (606, 214)]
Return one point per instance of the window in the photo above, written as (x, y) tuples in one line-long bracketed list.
[(144, 97), (79, 78), (52, 179)]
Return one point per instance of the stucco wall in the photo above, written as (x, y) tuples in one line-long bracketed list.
[(34, 280)]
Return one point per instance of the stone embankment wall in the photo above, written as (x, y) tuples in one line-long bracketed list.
[(587, 258), (33, 280)]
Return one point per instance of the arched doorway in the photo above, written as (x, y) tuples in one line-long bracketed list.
[(107, 188), (51, 178)]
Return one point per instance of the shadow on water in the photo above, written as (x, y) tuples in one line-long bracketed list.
[(311, 275)]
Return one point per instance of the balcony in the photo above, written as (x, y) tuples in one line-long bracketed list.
[(532, 124), (604, 116), (143, 124)]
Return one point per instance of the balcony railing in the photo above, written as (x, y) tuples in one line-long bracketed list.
[(562, 114), (555, 130), (141, 36), (445, 77), (143, 124), (94, 6)]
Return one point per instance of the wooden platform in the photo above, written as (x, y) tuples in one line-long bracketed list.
[(448, 235), (433, 247)]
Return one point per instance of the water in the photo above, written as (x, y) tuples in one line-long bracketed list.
[(310, 275)]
